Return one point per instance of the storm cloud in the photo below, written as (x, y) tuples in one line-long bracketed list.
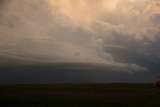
[(123, 35)]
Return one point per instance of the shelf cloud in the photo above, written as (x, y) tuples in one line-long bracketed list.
[(124, 35)]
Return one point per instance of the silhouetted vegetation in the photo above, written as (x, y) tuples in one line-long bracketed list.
[(82, 95)]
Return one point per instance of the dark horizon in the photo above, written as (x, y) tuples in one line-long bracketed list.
[(60, 73)]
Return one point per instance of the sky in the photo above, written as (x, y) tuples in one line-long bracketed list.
[(107, 40)]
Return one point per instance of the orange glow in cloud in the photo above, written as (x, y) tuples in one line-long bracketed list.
[(83, 11)]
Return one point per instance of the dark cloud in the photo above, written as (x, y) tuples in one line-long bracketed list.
[(2, 2), (68, 73), (124, 38)]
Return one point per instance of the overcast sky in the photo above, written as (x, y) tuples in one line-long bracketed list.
[(120, 35)]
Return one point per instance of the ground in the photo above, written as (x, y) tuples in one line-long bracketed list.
[(80, 95)]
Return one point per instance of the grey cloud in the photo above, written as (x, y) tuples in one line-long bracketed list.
[(68, 73), (34, 30), (156, 18)]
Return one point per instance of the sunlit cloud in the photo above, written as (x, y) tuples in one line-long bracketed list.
[(113, 32)]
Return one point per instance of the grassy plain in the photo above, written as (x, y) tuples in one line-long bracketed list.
[(80, 95)]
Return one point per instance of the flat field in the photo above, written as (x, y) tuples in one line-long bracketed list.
[(80, 95)]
